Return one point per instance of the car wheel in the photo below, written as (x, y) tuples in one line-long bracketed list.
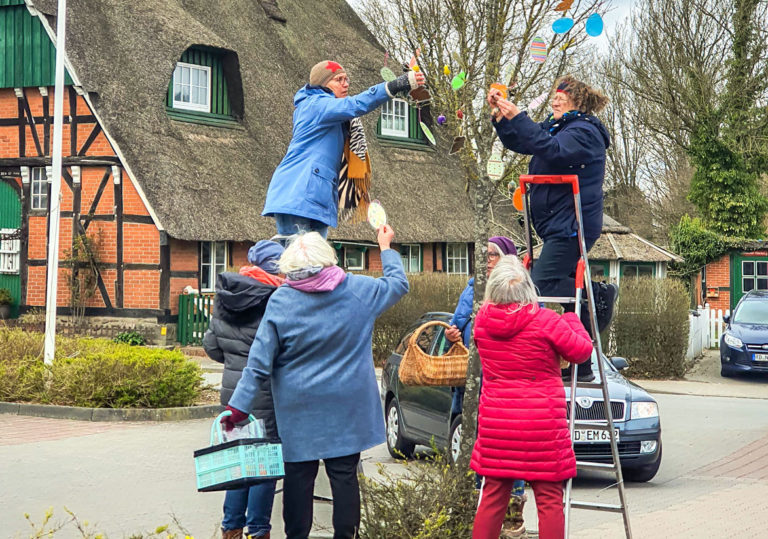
[(641, 474), (398, 447), (455, 439)]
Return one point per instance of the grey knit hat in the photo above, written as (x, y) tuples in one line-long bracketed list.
[(324, 71)]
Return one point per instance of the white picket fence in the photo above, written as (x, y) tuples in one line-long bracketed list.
[(706, 325)]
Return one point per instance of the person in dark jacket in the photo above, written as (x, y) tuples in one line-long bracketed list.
[(241, 299), (303, 195), (570, 141)]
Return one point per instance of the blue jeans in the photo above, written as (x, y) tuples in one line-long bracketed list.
[(288, 225), (251, 506)]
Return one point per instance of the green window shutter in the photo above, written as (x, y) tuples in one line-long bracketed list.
[(27, 53)]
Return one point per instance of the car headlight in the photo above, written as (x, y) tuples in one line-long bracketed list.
[(732, 341), (641, 410)]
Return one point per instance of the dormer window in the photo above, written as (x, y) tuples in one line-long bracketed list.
[(394, 118), (206, 88), (192, 87), (399, 125)]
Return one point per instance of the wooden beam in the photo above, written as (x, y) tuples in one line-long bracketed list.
[(73, 121), (100, 161), (165, 271), (31, 122), (97, 198), (91, 137), (22, 134), (99, 278), (46, 125), (10, 122)]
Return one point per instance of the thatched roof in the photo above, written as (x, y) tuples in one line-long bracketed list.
[(618, 242), (209, 183)]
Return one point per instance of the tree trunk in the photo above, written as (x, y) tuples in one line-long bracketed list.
[(483, 195)]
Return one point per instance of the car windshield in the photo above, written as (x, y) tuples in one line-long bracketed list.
[(752, 312)]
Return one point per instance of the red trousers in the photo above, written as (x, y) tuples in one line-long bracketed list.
[(494, 498)]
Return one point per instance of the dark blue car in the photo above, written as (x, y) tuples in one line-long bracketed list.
[(422, 415), (744, 343)]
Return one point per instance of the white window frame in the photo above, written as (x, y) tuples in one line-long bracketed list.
[(406, 255), (216, 266), (359, 267), (457, 254), (390, 112), (39, 178), (184, 105), (10, 251)]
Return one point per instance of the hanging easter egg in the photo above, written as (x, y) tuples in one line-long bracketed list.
[(447, 71), (562, 25), (495, 167), (538, 101), (565, 5), (387, 74), (427, 132), (459, 114), (441, 119), (517, 199), (458, 81), (594, 25), (538, 50)]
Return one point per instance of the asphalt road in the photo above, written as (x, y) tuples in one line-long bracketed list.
[(125, 478)]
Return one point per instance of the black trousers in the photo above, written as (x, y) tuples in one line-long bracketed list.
[(554, 274), (298, 489)]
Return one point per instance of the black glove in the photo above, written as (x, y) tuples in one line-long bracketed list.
[(404, 83)]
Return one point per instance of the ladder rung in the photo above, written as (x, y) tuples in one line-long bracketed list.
[(556, 299), (610, 507), (595, 466)]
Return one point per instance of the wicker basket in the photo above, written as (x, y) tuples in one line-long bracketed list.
[(418, 368)]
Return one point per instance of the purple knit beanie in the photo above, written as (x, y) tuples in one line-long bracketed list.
[(505, 245)]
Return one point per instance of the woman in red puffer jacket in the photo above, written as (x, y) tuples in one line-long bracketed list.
[(522, 424)]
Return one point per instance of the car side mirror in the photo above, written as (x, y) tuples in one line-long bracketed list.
[(727, 318), (620, 363)]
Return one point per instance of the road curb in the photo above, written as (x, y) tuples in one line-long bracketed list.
[(111, 414)]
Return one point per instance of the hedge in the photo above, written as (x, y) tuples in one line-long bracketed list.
[(651, 327), (95, 373)]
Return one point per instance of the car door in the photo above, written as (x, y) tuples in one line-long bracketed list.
[(426, 410)]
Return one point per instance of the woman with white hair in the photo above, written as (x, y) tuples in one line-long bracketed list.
[(522, 424), (314, 342)]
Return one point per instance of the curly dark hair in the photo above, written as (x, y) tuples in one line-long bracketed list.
[(584, 97)]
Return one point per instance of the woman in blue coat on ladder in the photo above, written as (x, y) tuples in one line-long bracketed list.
[(303, 194)]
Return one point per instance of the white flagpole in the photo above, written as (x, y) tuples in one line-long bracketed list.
[(53, 233)]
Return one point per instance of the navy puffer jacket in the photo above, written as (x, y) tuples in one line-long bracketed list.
[(573, 145), (237, 312)]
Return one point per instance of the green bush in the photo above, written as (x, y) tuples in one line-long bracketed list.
[(5, 296), (651, 327), (430, 500), (428, 292), (133, 338), (95, 373)]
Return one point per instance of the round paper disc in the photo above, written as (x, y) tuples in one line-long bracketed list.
[(376, 214), (387, 74)]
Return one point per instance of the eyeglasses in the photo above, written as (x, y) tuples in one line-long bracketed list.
[(341, 79), (492, 256)]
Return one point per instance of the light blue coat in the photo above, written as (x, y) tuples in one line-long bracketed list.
[(317, 349), (305, 183)]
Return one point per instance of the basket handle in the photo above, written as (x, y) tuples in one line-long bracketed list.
[(421, 328), (216, 435)]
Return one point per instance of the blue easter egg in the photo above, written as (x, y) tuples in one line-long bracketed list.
[(594, 25), (562, 25)]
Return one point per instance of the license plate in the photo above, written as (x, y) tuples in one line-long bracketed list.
[(760, 357), (592, 436)]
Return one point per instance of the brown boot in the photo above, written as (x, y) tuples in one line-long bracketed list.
[(514, 527), (232, 534)]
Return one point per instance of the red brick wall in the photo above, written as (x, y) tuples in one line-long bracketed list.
[(184, 257), (719, 277), (141, 241), (238, 254)]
